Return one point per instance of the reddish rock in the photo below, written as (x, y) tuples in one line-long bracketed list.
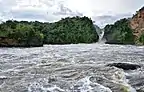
[(137, 24)]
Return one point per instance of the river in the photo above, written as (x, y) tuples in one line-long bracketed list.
[(71, 68)]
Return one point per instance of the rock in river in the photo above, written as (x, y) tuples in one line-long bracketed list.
[(125, 66)]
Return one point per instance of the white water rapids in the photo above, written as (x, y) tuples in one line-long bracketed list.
[(70, 68)]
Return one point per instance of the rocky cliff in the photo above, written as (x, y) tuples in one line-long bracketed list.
[(126, 31), (137, 24)]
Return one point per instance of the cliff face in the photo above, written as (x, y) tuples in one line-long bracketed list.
[(137, 24)]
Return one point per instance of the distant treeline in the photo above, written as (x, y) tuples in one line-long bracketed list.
[(66, 31)]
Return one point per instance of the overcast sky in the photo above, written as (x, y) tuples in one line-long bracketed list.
[(101, 11)]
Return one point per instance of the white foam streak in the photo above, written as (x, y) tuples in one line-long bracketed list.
[(86, 86), (36, 87)]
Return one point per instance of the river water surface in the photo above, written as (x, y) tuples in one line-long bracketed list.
[(70, 68)]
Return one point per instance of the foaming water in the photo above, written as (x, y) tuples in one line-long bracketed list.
[(70, 68), (85, 85), (37, 87)]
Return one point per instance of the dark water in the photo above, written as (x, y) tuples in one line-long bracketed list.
[(70, 68)]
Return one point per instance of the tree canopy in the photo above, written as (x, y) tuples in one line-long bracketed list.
[(119, 32), (67, 30)]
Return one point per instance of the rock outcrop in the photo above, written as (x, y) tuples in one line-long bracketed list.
[(125, 66), (8, 42), (4, 41), (137, 24)]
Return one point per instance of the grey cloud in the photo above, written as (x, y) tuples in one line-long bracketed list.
[(27, 14), (6, 11), (6, 5), (103, 17), (33, 15), (62, 10), (47, 2), (5, 8), (109, 19)]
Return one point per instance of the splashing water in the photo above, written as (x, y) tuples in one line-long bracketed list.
[(85, 85), (101, 35)]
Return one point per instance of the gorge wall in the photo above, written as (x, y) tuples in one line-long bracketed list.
[(137, 24), (127, 30)]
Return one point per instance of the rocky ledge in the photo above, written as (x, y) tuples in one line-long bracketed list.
[(7, 42)]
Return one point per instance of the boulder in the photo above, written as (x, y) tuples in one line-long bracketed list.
[(125, 66)]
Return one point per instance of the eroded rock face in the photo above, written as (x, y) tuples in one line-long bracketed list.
[(4, 41), (7, 42), (137, 24)]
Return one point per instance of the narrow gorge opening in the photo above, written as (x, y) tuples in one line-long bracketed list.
[(100, 33)]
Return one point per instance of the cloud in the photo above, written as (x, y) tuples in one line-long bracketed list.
[(62, 10), (101, 11), (109, 19)]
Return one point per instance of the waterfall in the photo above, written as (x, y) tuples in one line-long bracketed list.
[(100, 32), (101, 35)]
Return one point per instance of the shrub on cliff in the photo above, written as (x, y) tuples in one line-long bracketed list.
[(141, 38)]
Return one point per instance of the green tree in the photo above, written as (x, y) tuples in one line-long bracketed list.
[(67, 30), (120, 32), (141, 39)]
